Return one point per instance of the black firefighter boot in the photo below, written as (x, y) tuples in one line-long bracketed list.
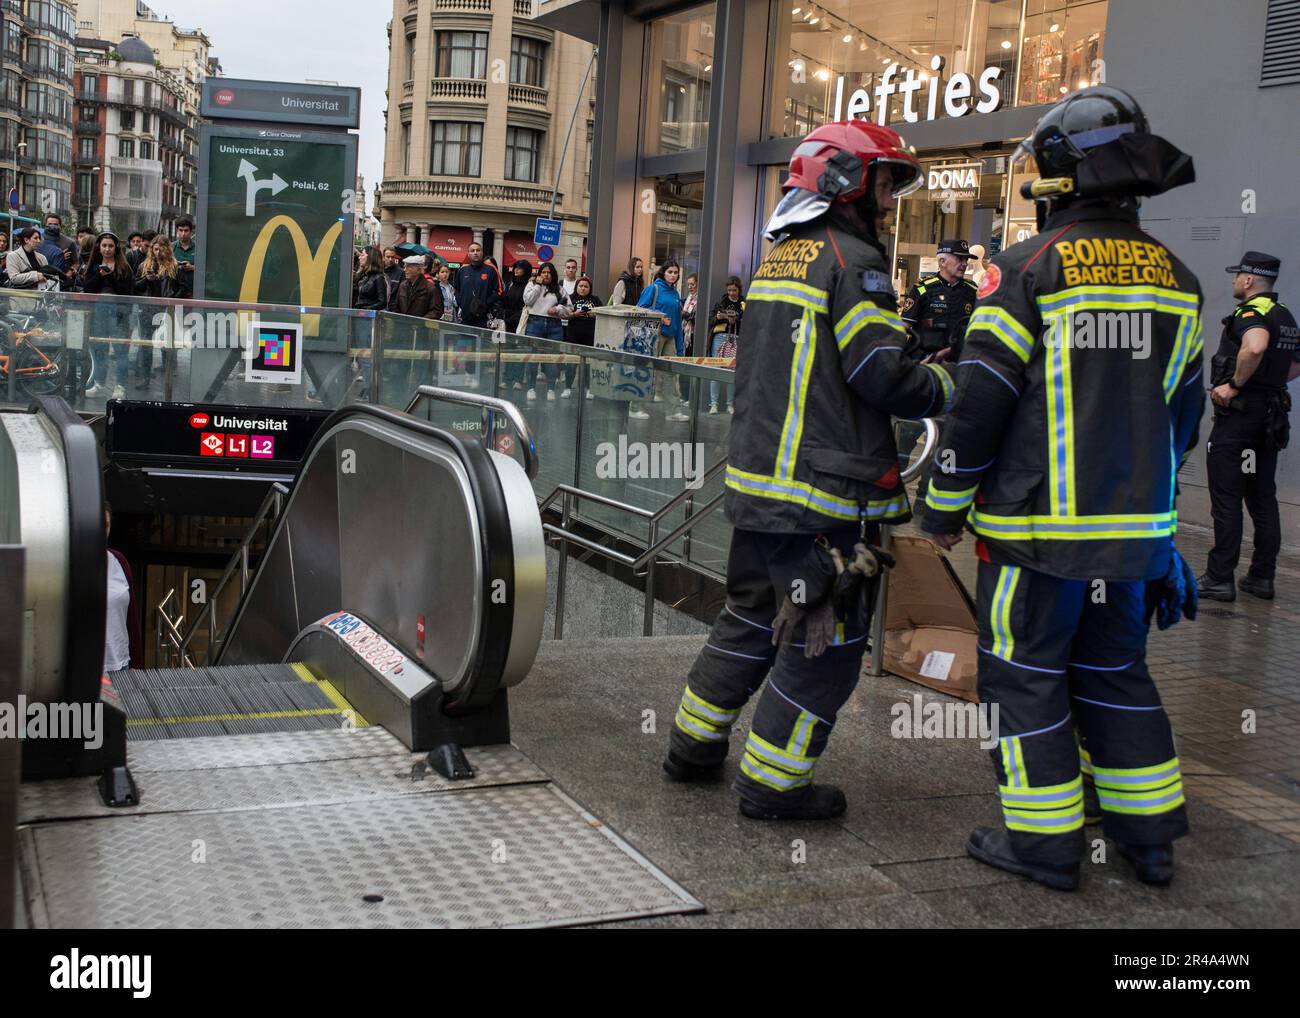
[(993, 846), (679, 769), (1153, 864), (814, 802), (1257, 586)]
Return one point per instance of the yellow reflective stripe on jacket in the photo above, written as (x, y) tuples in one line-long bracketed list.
[(790, 292), (949, 501), (1060, 417), (1072, 528), (1004, 641), (801, 367), (1119, 298), (1003, 325), (1189, 331), (862, 315), (801, 493), (945, 386)]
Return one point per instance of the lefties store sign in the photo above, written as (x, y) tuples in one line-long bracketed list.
[(922, 93)]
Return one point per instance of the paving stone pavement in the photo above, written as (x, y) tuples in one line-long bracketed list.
[(897, 858)]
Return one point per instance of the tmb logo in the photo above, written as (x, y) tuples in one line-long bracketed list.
[(224, 98), (199, 420), (212, 443)]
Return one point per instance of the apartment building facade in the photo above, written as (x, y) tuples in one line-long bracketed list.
[(480, 100)]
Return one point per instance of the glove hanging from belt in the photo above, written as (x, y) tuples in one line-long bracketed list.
[(827, 591)]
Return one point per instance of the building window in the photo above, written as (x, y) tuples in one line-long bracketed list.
[(126, 148), (406, 150), (462, 54), (89, 84), (523, 154), (853, 47), (677, 86), (457, 149), (409, 63), (146, 150), (86, 149), (527, 61), (89, 114), (86, 188), (127, 120)]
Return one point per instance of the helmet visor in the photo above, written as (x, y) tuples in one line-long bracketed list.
[(904, 177)]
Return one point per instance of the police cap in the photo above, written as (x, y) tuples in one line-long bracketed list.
[(1258, 264), (959, 248)]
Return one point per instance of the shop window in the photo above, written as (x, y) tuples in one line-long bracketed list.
[(523, 154), (462, 54), (679, 71), (927, 59), (457, 149), (527, 61)]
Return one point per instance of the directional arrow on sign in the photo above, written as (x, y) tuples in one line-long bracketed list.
[(248, 171)]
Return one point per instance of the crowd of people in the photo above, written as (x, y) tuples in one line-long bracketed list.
[(545, 302), (148, 264)]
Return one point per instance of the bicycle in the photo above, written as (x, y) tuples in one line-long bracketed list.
[(37, 372)]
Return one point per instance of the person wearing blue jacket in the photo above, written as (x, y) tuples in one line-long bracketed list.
[(662, 296)]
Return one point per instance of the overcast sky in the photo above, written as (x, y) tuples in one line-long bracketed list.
[(292, 40)]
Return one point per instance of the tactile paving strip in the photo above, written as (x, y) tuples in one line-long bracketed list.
[(231, 788), (526, 855)]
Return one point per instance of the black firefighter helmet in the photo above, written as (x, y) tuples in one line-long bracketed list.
[(1097, 144)]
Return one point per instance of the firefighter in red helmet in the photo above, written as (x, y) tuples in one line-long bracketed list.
[(812, 469)]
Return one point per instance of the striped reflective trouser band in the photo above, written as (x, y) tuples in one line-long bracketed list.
[(1085, 761), (1041, 809), (782, 770), (1140, 791), (704, 721)]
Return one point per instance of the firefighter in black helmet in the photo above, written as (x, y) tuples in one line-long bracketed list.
[(811, 469), (1078, 394)]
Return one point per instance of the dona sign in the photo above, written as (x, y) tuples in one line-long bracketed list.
[(960, 94)]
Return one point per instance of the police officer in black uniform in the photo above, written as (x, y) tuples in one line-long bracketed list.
[(1259, 354), (938, 307)]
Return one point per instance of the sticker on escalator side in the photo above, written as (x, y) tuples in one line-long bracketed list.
[(368, 644)]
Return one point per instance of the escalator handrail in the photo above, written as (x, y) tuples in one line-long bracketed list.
[(496, 544), (490, 404), (86, 601)]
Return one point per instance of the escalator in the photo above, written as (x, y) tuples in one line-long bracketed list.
[(363, 676)]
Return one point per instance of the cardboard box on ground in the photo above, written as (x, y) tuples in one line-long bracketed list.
[(931, 636)]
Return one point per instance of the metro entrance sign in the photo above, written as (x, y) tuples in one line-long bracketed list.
[(547, 232)]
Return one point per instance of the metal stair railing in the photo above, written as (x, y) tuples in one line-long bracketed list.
[(173, 644), (655, 545)]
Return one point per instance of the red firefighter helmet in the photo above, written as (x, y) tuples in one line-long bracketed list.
[(835, 161)]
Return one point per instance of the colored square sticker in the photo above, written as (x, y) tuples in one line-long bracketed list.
[(212, 443), (263, 447), (237, 445)]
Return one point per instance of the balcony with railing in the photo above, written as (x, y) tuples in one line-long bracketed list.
[(474, 90), (408, 89), (463, 6), (466, 193), (88, 127), (528, 95), (524, 8)]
